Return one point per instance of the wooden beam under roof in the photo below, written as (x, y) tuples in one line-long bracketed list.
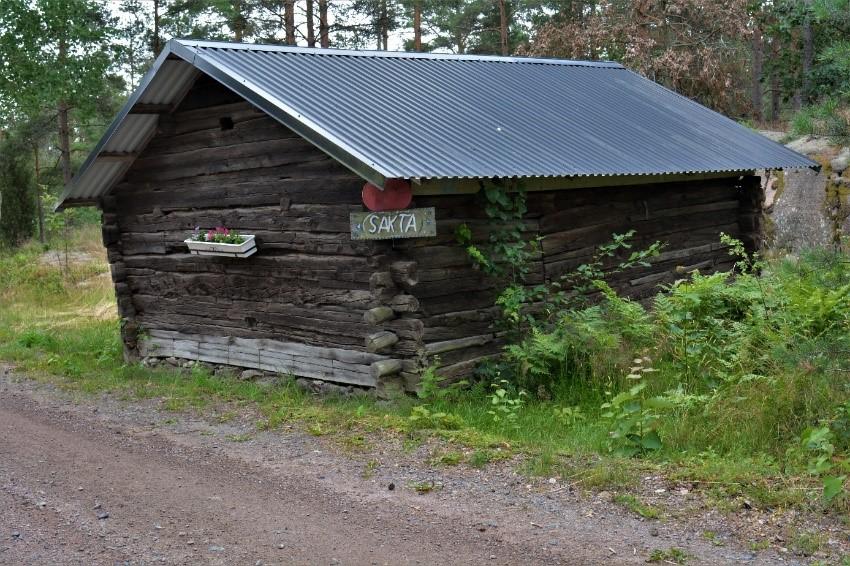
[(469, 186), (141, 108), (117, 155)]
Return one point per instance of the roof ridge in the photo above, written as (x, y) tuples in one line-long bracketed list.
[(192, 43)]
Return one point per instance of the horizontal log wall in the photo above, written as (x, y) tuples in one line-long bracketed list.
[(299, 304), (456, 301)]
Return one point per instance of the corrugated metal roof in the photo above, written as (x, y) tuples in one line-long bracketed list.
[(428, 116)]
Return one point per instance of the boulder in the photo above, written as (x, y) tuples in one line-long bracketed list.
[(810, 145), (800, 215), (841, 162), (773, 135), (250, 375)]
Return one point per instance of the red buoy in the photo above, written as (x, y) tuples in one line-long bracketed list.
[(396, 195)]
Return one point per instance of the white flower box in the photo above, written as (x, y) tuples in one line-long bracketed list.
[(245, 249)]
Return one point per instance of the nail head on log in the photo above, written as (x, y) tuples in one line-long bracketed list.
[(383, 368), (380, 340), (378, 315)]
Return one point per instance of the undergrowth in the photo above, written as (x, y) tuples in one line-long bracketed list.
[(735, 382), (830, 118)]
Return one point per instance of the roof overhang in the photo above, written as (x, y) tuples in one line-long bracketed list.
[(160, 92)]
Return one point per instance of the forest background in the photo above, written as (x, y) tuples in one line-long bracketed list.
[(66, 66)]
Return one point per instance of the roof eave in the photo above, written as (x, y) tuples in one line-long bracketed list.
[(65, 200)]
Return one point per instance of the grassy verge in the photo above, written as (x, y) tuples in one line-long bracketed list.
[(57, 323)]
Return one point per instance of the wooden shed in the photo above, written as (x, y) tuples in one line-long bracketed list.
[(278, 142)]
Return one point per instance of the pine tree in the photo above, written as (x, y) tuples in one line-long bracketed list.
[(17, 192), (57, 54)]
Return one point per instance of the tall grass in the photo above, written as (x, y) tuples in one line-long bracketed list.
[(830, 118)]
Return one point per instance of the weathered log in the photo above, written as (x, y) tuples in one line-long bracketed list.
[(404, 303), (380, 341), (457, 371), (435, 348), (297, 359), (384, 368), (110, 234), (404, 273), (381, 280), (378, 315), (118, 271)]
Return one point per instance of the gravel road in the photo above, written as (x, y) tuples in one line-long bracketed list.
[(101, 481)]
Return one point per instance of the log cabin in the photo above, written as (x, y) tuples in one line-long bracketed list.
[(353, 171)]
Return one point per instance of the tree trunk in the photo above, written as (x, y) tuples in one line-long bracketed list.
[(156, 44), (64, 142), (503, 25), (417, 25), (775, 94), (39, 202), (758, 72), (64, 130), (289, 21), (383, 27), (324, 39), (238, 23), (808, 56), (311, 31)]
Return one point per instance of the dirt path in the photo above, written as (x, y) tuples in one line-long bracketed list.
[(180, 493)]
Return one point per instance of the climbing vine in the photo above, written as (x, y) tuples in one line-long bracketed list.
[(509, 251), (506, 255)]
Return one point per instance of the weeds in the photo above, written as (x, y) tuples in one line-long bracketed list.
[(504, 408), (451, 458), (426, 486), (807, 543), (637, 506), (370, 469), (829, 118), (672, 555), (479, 458)]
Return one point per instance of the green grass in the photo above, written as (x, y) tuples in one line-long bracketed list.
[(827, 118), (637, 506), (425, 486), (239, 437), (712, 537), (807, 543), (671, 555), (451, 458)]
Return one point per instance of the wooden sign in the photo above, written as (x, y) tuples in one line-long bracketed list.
[(408, 223)]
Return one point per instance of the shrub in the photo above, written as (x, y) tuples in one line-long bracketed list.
[(743, 362), (17, 193)]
